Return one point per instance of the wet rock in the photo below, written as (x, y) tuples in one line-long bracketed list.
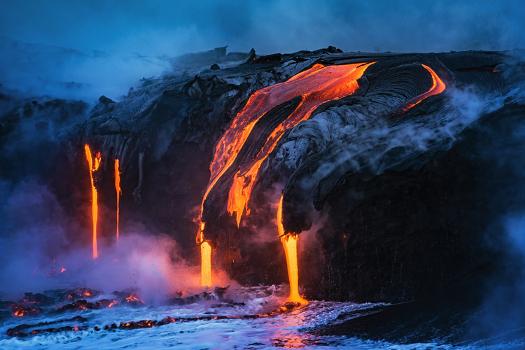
[(78, 293), (25, 330), (83, 305), (22, 310)]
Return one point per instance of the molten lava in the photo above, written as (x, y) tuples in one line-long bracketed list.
[(289, 242), (437, 87), (19, 313), (205, 264), (315, 86), (93, 165), (118, 192), (133, 299)]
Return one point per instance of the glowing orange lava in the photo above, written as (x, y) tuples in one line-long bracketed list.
[(289, 242), (205, 264), (133, 298), (93, 165), (437, 87), (315, 86), (19, 313), (118, 192)]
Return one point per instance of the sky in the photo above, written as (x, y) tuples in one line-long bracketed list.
[(163, 28)]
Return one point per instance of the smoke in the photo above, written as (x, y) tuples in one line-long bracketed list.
[(37, 241), (86, 49)]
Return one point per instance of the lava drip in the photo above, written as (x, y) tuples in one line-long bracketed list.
[(205, 264), (437, 87), (93, 165), (315, 86), (118, 192), (289, 242)]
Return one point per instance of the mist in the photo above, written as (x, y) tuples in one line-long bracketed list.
[(40, 250), (87, 49)]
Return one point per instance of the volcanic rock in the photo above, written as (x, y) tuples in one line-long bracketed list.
[(407, 196)]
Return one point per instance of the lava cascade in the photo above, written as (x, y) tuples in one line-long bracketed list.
[(93, 165), (118, 192), (205, 264), (289, 242), (315, 86)]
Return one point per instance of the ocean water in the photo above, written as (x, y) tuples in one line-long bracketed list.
[(196, 328)]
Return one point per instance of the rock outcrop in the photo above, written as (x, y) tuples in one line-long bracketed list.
[(398, 203)]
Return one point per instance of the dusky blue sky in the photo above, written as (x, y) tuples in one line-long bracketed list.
[(116, 42), (167, 27)]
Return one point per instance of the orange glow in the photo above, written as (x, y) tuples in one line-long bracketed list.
[(93, 165), (118, 192), (315, 86), (132, 298), (205, 264), (437, 87), (19, 313), (289, 242)]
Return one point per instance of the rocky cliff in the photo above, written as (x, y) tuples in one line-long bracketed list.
[(397, 198)]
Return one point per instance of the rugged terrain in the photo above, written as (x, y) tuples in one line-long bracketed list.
[(394, 203)]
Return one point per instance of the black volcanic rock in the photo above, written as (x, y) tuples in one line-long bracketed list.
[(406, 197), (402, 213)]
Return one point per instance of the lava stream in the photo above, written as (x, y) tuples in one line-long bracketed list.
[(437, 87), (118, 192), (289, 242), (205, 264), (315, 86), (93, 165)]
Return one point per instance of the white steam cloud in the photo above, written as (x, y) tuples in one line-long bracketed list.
[(37, 252)]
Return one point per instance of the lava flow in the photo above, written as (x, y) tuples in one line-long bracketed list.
[(289, 242), (205, 264), (118, 192), (315, 86), (437, 87), (93, 165)]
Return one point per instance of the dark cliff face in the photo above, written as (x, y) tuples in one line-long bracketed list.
[(397, 204)]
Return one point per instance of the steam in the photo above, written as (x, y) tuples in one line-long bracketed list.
[(35, 244), (148, 264)]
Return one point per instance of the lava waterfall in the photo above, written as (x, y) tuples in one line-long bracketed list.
[(284, 166)]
